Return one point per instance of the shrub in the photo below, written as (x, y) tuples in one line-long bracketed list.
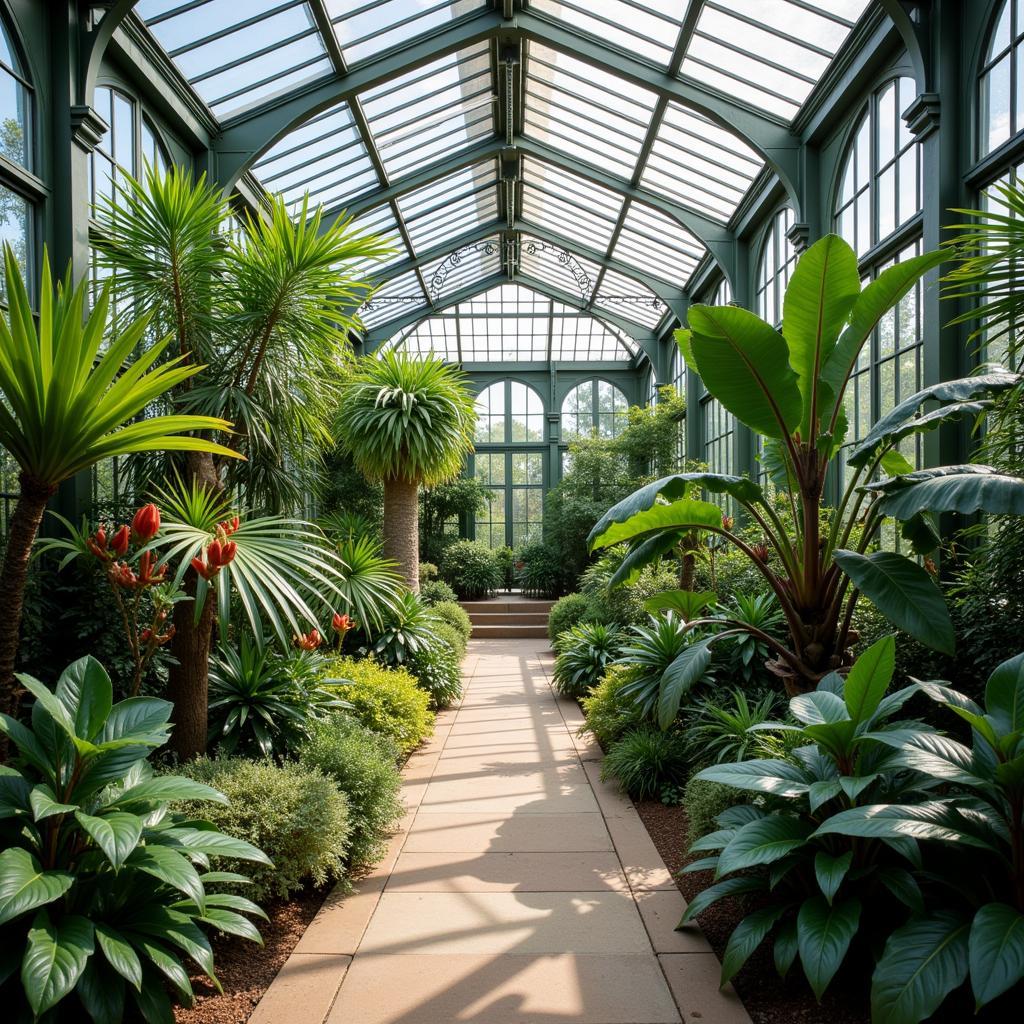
[(388, 701), (263, 702), (625, 604), (436, 592), (584, 653), (428, 572), (436, 666), (723, 728), (644, 760), (704, 801), (362, 764), (609, 712), (296, 814), (98, 880), (452, 636), (569, 611), (455, 616), (471, 568), (540, 570), (506, 563)]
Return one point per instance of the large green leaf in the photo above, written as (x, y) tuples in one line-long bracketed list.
[(644, 553), (1004, 693), (24, 885), (904, 593), (818, 300), (830, 870), (169, 866), (719, 891), (163, 788), (869, 678), (101, 992), (966, 389), (922, 963), (929, 820), (679, 678), (932, 753), (963, 489), (996, 951), (746, 937), (682, 515), (744, 363), (144, 719), (116, 834), (84, 689), (120, 954), (688, 604), (870, 306), (55, 957), (824, 932), (763, 775), (762, 842)]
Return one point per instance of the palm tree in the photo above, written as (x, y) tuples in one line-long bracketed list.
[(269, 304), (66, 405), (406, 422)]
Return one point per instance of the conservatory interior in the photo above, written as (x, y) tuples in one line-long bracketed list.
[(510, 511)]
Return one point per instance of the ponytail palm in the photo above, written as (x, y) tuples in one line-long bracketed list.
[(67, 404), (790, 386), (406, 422)]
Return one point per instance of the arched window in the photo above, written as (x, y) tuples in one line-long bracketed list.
[(509, 413), (594, 405), (1000, 114), (880, 183), (16, 144), (129, 144), (778, 258), (718, 425)]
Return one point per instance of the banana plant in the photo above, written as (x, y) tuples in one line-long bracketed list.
[(789, 387), (975, 926), (104, 889)]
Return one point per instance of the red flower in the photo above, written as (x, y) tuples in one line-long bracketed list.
[(229, 526), (97, 544), (342, 623), (308, 641), (147, 577), (146, 523), (218, 554), (760, 552), (120, 541), (728, 522), (122, 576)]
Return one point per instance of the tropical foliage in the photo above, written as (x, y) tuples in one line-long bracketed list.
[(104, 888), (789, 387), (584, 653)]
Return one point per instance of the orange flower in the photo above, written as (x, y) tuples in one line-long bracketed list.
[(308, 641), (146, 523)]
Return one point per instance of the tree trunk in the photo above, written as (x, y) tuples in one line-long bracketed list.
[(402, 528), (24, 525), (188, 680)]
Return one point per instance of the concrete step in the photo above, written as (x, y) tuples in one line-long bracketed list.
[(497, 605), (509, 632), (509, 618)]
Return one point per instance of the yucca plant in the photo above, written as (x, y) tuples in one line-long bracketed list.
[(406, 422), (65, 404), (104, 889), (790, 388), (407, 629)]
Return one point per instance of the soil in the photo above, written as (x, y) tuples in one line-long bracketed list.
[(246, 970)]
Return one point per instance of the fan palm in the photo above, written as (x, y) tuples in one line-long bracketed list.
[(66, 405), (406, 422)]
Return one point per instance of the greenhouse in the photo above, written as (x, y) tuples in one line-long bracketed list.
[(511, 511)]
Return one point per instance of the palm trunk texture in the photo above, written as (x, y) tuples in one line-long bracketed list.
[(401, 529)]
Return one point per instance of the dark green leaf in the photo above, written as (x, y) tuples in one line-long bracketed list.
[(119, 953), (102, 993), (1004, 694), (682, 515), (903, 886), (966, 490), (688, 604), (929, 820), (996, 951), (168, 866), (24, 885), (762, 842), (785, 948), (869, 678), (719, 891), (830, 871), (824, 933), (904, 593), (680, 677), (84, 689), (116, 834), (55, 957), (763, 775), (746, 937), (44, 804)]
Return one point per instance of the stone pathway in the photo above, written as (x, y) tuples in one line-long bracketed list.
[(520, 889)]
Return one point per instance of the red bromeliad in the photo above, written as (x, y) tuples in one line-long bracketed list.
[(308, 641), (146, 523), (218, 554), (342, 624)]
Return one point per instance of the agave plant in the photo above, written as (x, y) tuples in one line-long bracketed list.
[(406, 422), (66, 404), (103, 887), (267, 703), (790, 388)]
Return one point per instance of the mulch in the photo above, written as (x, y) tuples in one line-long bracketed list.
[(246, 970)]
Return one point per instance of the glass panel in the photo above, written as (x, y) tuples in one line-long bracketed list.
[(585, 111), (467, 265), (324, 157), (657, 244), (153, 152), (568, 204), (778, 259), (236, 55), (435, 337), (1001, 83), (550, 264), (769, 53), (526, 415), (393, 299), (381, 221), (364, 29), (630, 299), (647, 28), (15, 230), (451, 206), (433, 111), (586, 339), (15, 105), (699, 165)]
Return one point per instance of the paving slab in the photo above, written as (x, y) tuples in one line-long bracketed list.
[(518, 889)]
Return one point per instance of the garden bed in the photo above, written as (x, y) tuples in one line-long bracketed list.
[(246, 971)]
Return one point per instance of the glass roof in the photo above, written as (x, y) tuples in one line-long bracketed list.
[(613, 173), (514, 323)]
